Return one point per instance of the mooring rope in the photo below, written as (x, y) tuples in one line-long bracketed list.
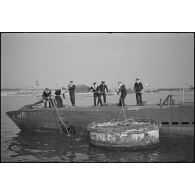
[(123, 109), (80, 134), (60, 117)]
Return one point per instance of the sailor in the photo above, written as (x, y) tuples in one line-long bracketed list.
[(138, 87), (63, 90), (96, 94), (123, 93), (58, 99), (71, 89), (46, 97), (103, 90)]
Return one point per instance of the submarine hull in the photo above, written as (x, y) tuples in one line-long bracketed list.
[(173, 118)]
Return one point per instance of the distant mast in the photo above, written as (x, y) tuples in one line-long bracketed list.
[(37, 83)]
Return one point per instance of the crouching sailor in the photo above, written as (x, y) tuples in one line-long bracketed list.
[(96, 94), (58, 99), (46, 97), (123, 93)]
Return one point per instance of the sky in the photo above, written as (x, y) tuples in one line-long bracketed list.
[(158, 59)]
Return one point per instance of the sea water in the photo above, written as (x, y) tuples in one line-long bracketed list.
[(19, 147)]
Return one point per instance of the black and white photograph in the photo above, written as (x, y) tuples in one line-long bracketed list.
[(97, 97)]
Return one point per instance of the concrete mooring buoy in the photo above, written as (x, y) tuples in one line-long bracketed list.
[(128, 134)]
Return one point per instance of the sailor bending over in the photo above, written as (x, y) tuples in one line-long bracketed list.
[(46, 97), (58, 99), (123, 93)]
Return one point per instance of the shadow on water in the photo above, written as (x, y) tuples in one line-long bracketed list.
[(55, 148)]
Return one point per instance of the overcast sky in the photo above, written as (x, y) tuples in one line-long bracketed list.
[(160, 60)]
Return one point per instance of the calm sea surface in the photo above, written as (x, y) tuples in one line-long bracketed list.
[(18, 147)]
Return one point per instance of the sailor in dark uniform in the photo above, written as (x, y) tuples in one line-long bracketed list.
[(96, 94), (71, 89), (46, 97), (103, 90), (123, 93), (58, 99), (138, 87)]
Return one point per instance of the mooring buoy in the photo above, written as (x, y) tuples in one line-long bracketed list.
[(131, 134)]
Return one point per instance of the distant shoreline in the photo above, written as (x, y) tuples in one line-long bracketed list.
[(40, 89), (16, 92)]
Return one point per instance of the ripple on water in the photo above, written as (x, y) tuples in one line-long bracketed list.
[(18, 147), (79, 157)]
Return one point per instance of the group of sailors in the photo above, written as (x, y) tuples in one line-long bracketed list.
[(99, 94), (138, 88), (57, 100)]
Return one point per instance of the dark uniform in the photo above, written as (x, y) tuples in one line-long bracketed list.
[(96, 94), (71, 89), (46, 96), (103, 89), (138, 87), (58, 98), (122, 90)]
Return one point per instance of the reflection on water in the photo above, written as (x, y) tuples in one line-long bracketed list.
[(54, 148), (40, 147)]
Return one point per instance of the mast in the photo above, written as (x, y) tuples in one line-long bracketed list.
[(37, 83)]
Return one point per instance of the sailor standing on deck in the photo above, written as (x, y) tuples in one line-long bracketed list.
[(96, 94), (71, 89), (46, 97), (123, 93), (138, 87), (103, 90)]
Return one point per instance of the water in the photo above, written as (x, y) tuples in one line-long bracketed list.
[(19, 147)]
